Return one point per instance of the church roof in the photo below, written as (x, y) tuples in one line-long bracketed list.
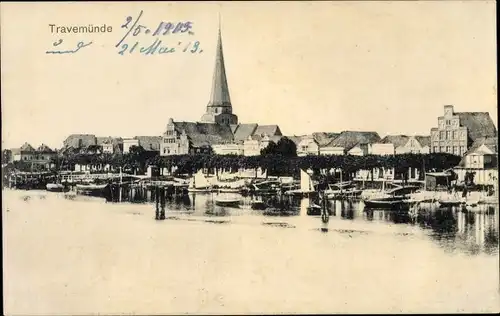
[(205, 134), (220, 91), (243, 131)]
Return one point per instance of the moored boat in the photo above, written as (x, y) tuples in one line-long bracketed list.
[(258, 205), (342, 190), (199, 183), (91, 189), (55, 187), (227, 201)]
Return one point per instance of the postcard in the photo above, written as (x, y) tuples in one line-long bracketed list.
[(249, 157)]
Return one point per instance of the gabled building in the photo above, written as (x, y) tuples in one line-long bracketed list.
[(482, 160), (404, 144), (40, 156), (353, 142), (457, 131)]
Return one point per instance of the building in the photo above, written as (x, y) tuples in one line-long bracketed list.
[(482, 160), (219, 130), (457, 131), (381, 149), (404, 144), (79, 140), (128, 143), (219, 108), (110, 145), (352, 142), (41, 156)]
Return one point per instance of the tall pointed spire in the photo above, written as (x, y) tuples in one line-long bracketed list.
[(220, 91)]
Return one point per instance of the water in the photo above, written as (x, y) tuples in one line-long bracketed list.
[(84, 255)]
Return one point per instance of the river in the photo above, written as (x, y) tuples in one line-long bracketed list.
[(87, 256)]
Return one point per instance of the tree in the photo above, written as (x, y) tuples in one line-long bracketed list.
[(285, 147), (6, 156)]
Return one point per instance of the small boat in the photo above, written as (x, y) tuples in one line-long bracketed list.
[(258, 205), (229, 190), (91, 189), (227, 201), (450, 202), (386, 203), (55, 187), (394, 198), (314, 209), (342, 190)]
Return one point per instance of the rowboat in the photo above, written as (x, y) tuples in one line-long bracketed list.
[(55, 187), (90, 189), (227, 201)]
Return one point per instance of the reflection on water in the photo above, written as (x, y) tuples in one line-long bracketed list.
[(453, 229), (440, 257)]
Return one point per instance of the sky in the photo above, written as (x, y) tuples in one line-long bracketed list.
[(309, 67)]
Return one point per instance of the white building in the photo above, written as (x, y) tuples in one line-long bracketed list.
[(129, 142)]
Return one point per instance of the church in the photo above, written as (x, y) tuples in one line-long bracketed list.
[(218, 130)]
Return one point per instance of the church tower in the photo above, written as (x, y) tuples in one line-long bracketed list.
[(219, 108)]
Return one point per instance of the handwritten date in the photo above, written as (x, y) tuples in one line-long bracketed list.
[(158, 48)]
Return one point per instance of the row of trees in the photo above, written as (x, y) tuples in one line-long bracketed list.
[(277, 159)]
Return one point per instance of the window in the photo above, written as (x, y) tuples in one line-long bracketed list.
[(435, 149), (462, 150), (448, 149), (448, 134), (455, 134), (442, 149), (456, 150), (448, 122), (441, 135)]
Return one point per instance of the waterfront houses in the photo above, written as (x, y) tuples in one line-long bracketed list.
[(457, 131), (404, 144), (482, 160), (41, 156)]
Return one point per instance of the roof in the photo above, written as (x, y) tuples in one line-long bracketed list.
[(349, 139), (205, 134), (479, 124), (324, 138), (396, 140), (490, 142), (109, 140), (44, 148), (296, 139), (149, 142), (269, 130), (26, 147), (423, 140), (220, 90), (243, 131)]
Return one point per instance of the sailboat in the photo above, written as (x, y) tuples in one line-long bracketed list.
[(306, 185), (199, 183)]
